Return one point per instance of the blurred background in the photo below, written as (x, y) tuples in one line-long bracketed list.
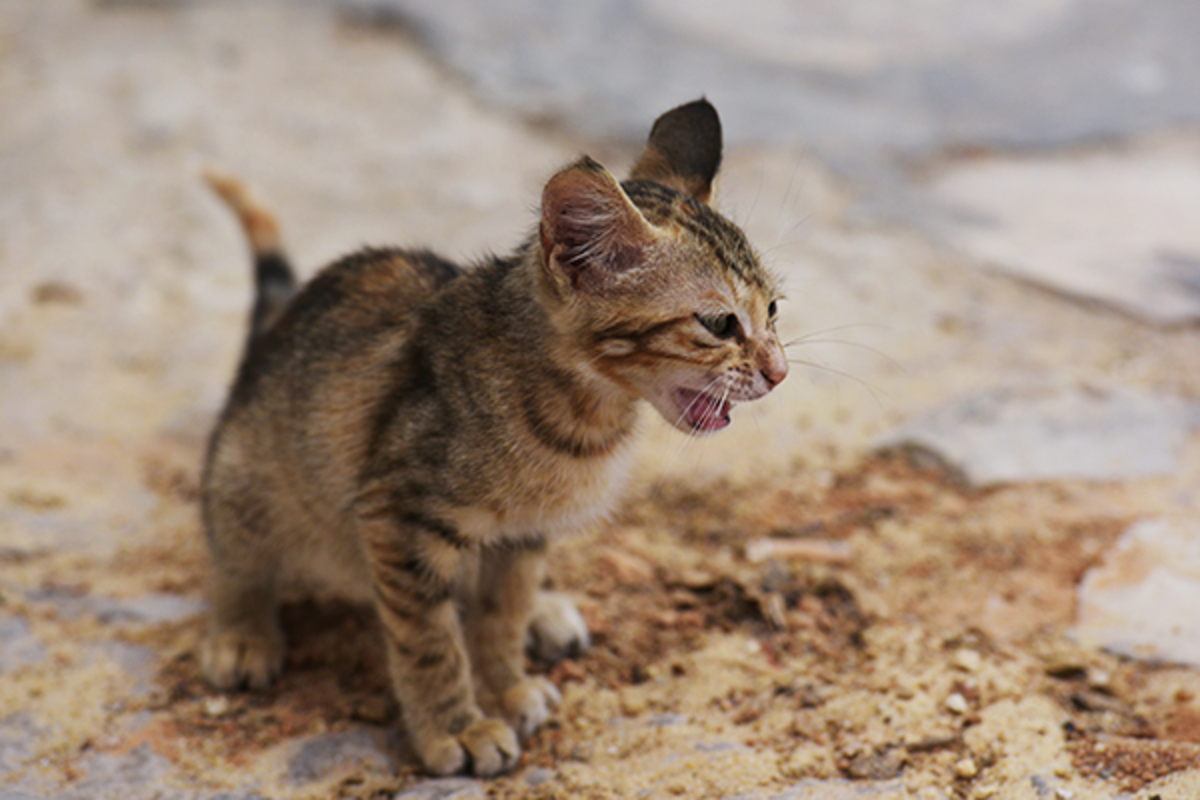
[(889, 157)]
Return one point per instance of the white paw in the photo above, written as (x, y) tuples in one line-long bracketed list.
[(528, 704), (556, 629)]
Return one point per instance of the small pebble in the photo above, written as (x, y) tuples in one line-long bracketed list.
[(967, 660), (956, 703), (539, 775), (1064, 794), (966, 768), (216, 706), (985, 792), (1099, 679), (633, 705)]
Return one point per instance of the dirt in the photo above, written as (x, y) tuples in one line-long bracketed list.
[(710, 674)]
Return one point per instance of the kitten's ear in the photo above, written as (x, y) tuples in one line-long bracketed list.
[(591, 232), (684, 151)]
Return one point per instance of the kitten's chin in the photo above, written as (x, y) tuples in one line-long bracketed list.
[(694, 412)]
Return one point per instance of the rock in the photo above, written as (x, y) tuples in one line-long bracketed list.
[(1043, 433), (444, 789), (1113, 227), (137, 775), (667, 720), (956, 704), (319, 756), (17, 736), (539, 775), (137, 662), (721, 747), (812, 789), (18, 646), (1141, 600), (967, 660), (150, 609)]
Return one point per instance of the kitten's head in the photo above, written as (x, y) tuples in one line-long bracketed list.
[(656, 291)]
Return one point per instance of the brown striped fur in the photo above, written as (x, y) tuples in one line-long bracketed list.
[(413, 432)]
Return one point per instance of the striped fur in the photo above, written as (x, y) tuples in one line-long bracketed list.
[(413, 432)]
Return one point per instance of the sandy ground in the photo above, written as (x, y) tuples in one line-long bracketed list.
[(912, 643)]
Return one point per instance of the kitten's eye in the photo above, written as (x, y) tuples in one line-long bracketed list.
[(722, 327), (771, 309)]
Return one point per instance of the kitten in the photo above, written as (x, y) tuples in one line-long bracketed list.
[(414, 432)]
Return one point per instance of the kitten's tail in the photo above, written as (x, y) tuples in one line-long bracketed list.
[(274, 281)]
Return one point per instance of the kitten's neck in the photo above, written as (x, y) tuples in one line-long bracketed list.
[(564, 401)]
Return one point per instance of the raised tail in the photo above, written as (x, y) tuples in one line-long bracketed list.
[(274, 281)]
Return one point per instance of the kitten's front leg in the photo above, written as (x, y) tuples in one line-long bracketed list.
[(414, 561), (509, 577)]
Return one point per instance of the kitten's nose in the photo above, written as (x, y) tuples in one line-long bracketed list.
[(774, 367)]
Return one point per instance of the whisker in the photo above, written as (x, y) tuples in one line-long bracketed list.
[(807, 336), (754, 204), (870, 389), (781, 242), (859, 345), (689, 436), (695, 400), (783, 206)]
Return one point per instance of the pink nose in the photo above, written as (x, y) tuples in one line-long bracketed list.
[(774, 368)]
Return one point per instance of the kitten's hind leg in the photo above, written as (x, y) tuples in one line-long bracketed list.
[(556, 629), (243, 646)]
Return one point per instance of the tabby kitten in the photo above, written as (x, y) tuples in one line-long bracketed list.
[(414, 432)]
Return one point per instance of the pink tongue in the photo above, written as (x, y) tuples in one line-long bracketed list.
[(707, 413)]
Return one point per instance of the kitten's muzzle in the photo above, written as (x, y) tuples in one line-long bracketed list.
[(701, 411)]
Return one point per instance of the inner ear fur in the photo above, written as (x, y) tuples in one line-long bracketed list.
[(591, 232), (684, 150)]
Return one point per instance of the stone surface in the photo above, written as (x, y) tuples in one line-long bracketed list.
[(444, 789), (812, 789), (720, 747), (912, 75), (17, 736), (137, 775), (18, 646), (1115, 227), (667, 720), (1142, 600), (136, 661), (151, 609), (318, 757), (539, 775), (1007, 435)]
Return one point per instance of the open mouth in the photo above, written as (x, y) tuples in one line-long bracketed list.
[(702, 412)]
